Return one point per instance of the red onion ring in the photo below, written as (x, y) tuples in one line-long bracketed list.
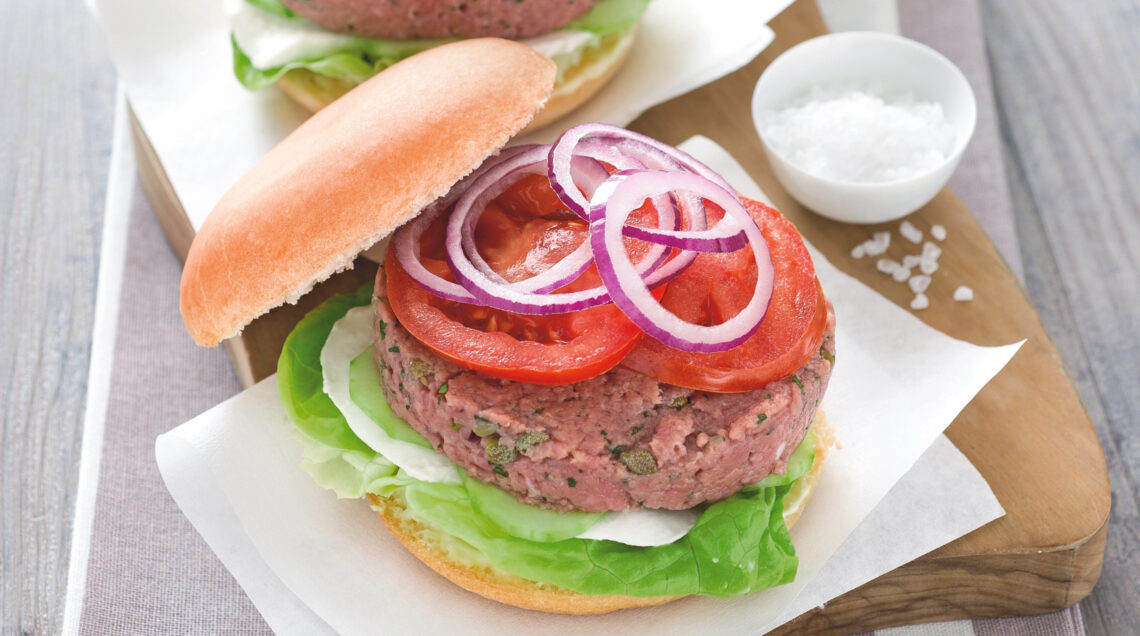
[(612, 206), (407, 246), (528, 296), (648, 153), (407, 240), (675, 183)]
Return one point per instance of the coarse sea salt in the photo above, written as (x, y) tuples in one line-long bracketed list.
[(910, 232), (856, 136), (963, 294)]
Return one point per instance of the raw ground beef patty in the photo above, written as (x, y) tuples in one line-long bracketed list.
[(617, 441), (412, 19)]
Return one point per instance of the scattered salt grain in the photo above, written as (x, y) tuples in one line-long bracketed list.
[(874, 246), (879, 243), (963, 294), (887, 266), (926, 262), (910, 232), (930, 251), (919, 283), (857, 136)]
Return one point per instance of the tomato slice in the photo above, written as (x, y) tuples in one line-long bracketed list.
[(715, 287), (521, 233)]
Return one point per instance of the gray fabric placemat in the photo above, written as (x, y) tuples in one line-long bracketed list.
[(148, 571)]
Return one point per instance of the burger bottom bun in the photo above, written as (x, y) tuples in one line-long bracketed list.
[(577, 84), (486, 581)]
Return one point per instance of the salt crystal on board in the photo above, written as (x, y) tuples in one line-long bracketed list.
[(920, 302), (910, 232), (963, 294), (938, 232), (930, 251), (878, 243), (919, 283)]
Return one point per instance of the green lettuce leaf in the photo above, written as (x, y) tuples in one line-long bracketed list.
[(609, 16), (522, 520), (364, 389), (799, 463), (738, 545), (273, 6), (301, 382), (352, 62), (350, 474)]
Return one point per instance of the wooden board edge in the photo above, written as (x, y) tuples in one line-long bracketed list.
[(171, 216), (932, 589), (158, 188)]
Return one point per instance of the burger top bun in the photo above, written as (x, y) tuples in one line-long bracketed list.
[(353, 173)]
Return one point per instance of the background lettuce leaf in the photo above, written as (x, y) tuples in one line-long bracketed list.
[(357, 59), (609, 16)]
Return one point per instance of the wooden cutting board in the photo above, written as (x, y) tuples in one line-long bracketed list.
[(1027, 431)]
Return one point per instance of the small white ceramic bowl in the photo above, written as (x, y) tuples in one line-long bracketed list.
[(894, 66)]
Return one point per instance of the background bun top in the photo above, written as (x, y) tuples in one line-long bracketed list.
[(353, 173)]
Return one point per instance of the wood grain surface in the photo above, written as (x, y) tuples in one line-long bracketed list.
[(55, 137), (1068, 94)]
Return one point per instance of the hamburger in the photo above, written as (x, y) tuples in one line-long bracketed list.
[(318, 50), (577, 460)]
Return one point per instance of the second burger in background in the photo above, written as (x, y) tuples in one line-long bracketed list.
[(317, 50)]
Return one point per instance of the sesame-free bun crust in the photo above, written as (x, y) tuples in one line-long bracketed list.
[(353, 173), (526, 594), (578, 84)]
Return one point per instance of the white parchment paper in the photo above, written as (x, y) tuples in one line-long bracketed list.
[(311, 563), (174, 57)]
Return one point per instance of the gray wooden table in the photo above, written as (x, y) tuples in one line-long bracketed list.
[(1068, 91)]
